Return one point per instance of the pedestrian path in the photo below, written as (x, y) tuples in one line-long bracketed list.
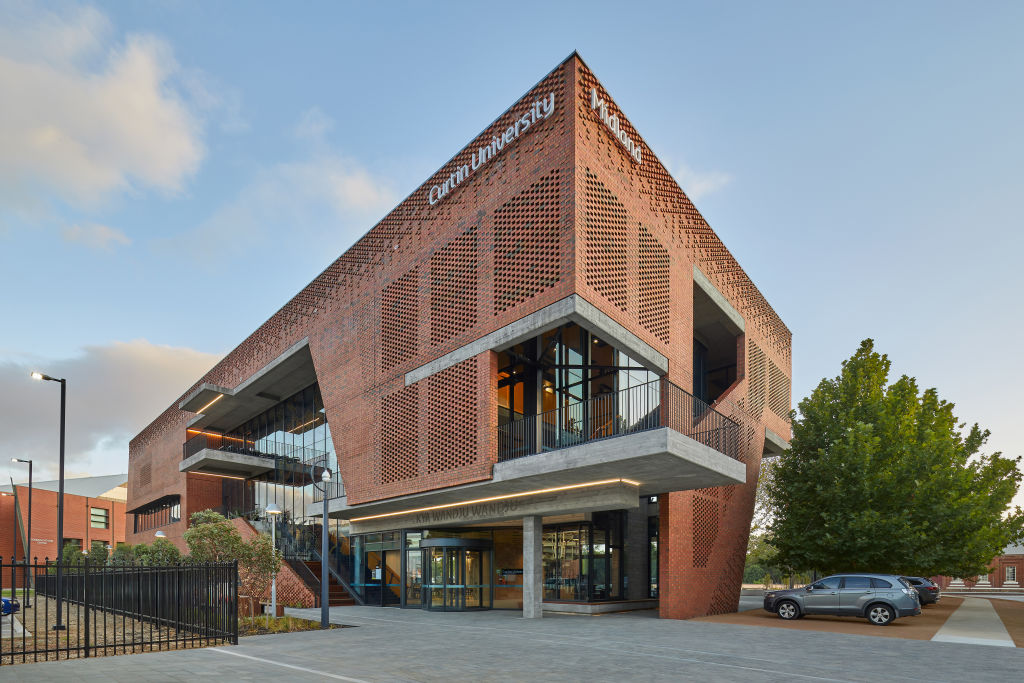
[(5, 628), (975, 622)]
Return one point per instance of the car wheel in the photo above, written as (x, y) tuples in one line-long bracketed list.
[(880, 614), (787, 610)]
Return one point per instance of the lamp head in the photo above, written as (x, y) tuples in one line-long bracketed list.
[(160, 534), (273, 509), (37, 375), (326, 476)]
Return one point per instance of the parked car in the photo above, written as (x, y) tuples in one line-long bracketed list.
[(9, 606), (879, 598), (927, 591)]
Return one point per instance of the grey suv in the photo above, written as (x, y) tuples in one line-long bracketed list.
[(879, 598)]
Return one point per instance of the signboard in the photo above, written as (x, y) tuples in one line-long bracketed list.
[(611, 120)]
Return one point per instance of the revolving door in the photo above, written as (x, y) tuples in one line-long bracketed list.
[(457, 574)]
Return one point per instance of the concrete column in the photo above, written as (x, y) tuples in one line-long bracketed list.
[(533, 568)]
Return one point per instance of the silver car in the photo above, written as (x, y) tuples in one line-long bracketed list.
[(879, 598)]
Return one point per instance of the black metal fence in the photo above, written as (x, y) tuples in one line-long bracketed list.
[(646, 406), (110, 610)]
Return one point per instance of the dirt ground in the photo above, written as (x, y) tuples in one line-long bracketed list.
[(921, 627), (1012, 614)]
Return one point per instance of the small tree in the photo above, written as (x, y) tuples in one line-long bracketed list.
[(97, 554), (141, 554), (163, 553), (72, 556), (123, 555), (212, 538), (258, 566)]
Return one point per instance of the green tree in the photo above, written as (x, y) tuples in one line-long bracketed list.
[(258, 566), (124, 554), (882, 477), (141, 554), (212, 538), (163, 553), (97, 554)]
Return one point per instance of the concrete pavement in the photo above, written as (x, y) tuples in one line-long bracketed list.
[(410, 645), (975, 622)]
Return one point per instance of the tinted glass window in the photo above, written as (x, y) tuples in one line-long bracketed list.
[(857, 582), (880, 583), (831, 582)]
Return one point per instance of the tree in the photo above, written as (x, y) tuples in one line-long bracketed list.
[(212, 538), (123, 554), (883, 478), (97, 554), (163, 553), (141, 554), (258, 566)]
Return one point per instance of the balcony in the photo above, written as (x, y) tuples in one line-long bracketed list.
[(641, 408), (228, 455)]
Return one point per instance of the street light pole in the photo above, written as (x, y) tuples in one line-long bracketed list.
[(324, 578), (28, 544), (59, 626), (272, 512)]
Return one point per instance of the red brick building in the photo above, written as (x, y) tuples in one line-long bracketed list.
[(94, 511), (540, 382), (1005, 572)]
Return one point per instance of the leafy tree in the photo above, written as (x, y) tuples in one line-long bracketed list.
[(123, 554), (258, 566), (212, 538), (141, 554), (71, 556), (97, 554), (882, 477), (163, 553)]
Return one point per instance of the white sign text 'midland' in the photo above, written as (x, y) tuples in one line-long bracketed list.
[(612, 122), (538, 111)]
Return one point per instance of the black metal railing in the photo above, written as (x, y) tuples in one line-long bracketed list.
[(112, 610), (636, 409), (261, 448)]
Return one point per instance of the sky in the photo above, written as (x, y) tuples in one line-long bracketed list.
[(171, 173)]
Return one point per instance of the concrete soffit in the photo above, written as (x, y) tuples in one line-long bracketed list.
[(291, 368), (701, 280), (774, 444), (572, 308)]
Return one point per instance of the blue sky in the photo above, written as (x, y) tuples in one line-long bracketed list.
[(171, 173)]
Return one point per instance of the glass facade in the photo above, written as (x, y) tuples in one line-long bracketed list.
[(465, 569)]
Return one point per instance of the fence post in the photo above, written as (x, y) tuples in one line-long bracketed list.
[(85, 601)]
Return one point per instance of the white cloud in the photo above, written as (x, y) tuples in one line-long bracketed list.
[(86, 115), (699, 184), (113, 391), (323, 198), (95, 236)]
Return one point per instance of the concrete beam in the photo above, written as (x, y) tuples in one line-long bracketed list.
[(701, 280), (573, 308), (533, 568), (613, 496), (774, 444)]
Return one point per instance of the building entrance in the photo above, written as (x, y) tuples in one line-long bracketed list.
[(457, 574)]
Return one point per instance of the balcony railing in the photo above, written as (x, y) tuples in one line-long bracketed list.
[(636, 409), (261, 448)]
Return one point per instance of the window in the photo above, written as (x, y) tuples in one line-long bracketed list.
[(158, 513), (857, 582), (831, 583), (1011, 574), (99, 518), (880, 583)]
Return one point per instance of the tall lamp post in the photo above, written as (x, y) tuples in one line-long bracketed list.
[(28, 545), (272, 512), (324, 579), (59, 626)]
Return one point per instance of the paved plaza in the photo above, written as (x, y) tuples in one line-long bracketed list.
[(409, 645)]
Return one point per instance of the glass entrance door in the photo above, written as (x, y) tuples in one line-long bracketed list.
[(457, 579)]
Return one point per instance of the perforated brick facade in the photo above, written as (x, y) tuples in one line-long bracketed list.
[(563, 209)]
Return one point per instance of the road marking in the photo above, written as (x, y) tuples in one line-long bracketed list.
[(287, 666)]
